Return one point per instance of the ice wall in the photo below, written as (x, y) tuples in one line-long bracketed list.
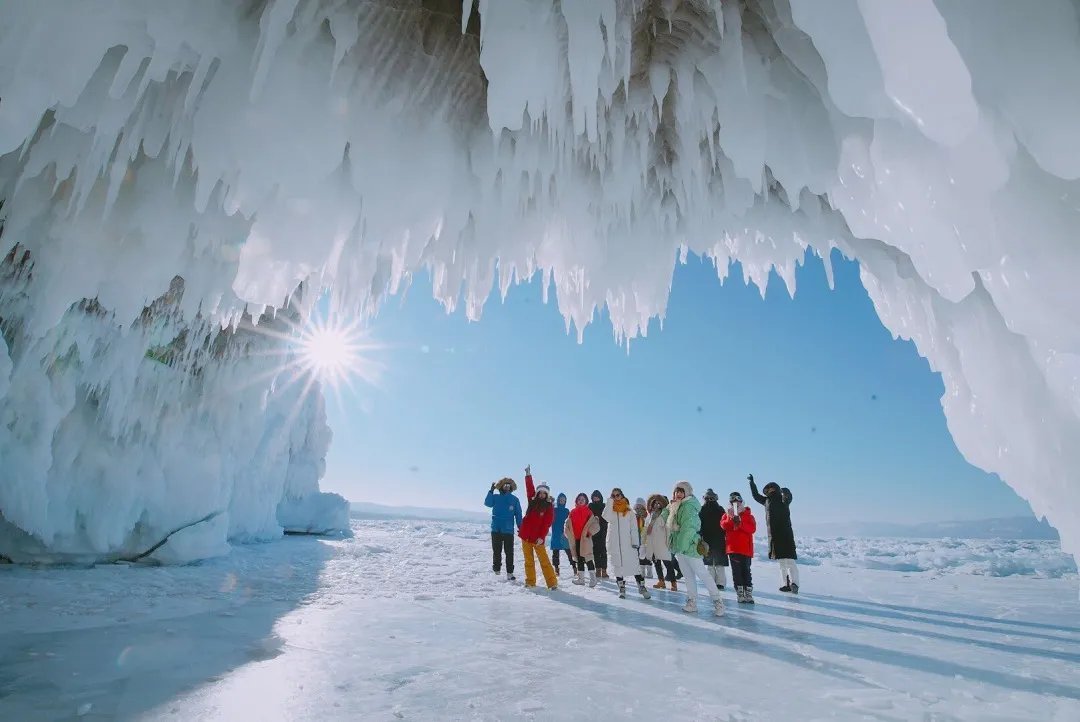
[(249, 147)]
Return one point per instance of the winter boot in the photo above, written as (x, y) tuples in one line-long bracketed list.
[(749, 595), (794, 588), (592, 579), (740, 594), (622, 589), (647, 569), (643, 591), (786, 588), (690, 606), (674, 586), (579, 578), (510, 577), (659, 584), (718, 607)]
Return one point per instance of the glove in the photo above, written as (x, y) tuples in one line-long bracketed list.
[(528, 470), (750, 478), (539, 542), (493, 485)]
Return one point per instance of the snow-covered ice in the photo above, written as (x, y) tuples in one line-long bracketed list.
[(406, 621)]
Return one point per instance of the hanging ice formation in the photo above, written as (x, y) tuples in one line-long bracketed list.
[(169, 170)]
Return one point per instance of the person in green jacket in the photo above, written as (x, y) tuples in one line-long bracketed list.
[(684, 533)]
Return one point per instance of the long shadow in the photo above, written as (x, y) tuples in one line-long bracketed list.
[(884, 613), (905, 660), (1005, 648), (677, 629), (118, 670), (955, 615)]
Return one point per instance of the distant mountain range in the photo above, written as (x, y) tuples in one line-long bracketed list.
[(1009, 528), (368, 510), (1020, 527)]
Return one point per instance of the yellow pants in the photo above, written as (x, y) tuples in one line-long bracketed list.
[(545, 564)]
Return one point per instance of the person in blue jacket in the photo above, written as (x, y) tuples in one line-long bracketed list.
[(505, 520), (558, 538)]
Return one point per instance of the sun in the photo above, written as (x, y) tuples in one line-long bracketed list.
[(335, 352)]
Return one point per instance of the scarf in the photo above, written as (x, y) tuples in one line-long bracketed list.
[(621, 506), (673, 513), (655, 517)]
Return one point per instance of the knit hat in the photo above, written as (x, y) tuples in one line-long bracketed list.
[(709, 493), (640, 502), (685, 486), (544, 488)]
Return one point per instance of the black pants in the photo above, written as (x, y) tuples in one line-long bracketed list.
[(599, 550), (740, 570), (637, 577), (555, 557), (581, 561), (660, 572), (502, 544)]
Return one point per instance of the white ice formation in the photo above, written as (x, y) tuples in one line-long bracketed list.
[(250, 147)]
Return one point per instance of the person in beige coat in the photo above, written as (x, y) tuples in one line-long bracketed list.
[(656, 542), (580, 528)]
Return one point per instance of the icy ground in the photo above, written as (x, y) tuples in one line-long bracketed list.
[(406, 621)]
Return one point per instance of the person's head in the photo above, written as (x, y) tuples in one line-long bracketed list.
[(640, 508), (785, 495), (561, 499), (735, 499), (543, 493), (657, 502), (682, 490), (710, 495), (506, 485), (581, 500), (771, 488), (616, 494), (597, 496)]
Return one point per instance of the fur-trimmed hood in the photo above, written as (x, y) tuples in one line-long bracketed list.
[(663, 499), (500, 482), (685, 486)]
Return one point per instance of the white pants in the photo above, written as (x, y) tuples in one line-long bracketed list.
[(788, 571), (719, 574), (693, 568)]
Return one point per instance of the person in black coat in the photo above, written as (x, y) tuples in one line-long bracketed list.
[(600, 540), (716, 561), (777, 502)]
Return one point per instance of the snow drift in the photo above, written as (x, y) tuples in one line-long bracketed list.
[(249, 148)]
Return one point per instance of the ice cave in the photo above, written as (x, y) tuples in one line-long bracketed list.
[(180, 181)]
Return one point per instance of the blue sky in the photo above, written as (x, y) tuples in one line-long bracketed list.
[(811, 392)]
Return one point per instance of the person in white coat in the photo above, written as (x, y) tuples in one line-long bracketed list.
[(657, 550), (623, 543)]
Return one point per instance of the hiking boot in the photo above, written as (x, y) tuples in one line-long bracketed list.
[(690, 606), (659, 585), (643, 591), (674, 586), (622, 589), (749, 595), (794, 588), (718, 608), (786, 588)]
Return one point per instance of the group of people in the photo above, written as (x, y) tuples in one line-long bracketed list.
[(681, 538)]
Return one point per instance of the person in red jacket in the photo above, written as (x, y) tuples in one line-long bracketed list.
[(739, 525), (539, 515)]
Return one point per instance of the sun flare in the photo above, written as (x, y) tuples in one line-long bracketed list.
[(335, 352)]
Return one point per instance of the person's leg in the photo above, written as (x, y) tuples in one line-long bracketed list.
[(545, 567), (508, 549), (496, 552), (691, 580), (737, 571), (702, 573), (678, 569), (530, 563)]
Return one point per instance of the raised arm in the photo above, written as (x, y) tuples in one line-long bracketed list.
[(726, 522), (530, 488), (754, 490)]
